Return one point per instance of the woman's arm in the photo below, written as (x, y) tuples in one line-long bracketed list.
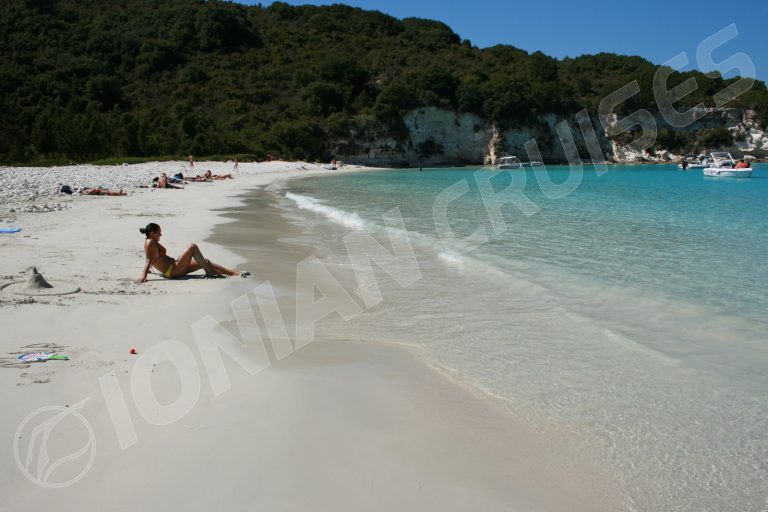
[(145, 273), (152, 253)]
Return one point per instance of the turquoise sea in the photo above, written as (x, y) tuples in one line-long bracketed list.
[(626, 308)]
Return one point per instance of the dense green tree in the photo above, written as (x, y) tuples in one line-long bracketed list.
[(86, 79), (717, 137), (672, 140)]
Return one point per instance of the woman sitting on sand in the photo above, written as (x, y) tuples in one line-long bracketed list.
[(170, 268)]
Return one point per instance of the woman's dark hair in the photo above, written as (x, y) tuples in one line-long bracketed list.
[(151, 228)]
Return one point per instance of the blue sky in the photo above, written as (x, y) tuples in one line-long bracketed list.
[(656, 30)]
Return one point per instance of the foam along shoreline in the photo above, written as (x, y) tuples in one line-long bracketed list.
[(337, 425)]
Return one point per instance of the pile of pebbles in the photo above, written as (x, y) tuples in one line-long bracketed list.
[(24, 186)]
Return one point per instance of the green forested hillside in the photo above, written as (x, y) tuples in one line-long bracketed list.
[(87, 79)]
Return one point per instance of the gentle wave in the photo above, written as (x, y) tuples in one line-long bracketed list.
[(350, 220), (451, 259)]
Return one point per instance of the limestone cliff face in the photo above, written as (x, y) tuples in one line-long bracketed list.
[(442, 137), (437, 137), (748, 137)]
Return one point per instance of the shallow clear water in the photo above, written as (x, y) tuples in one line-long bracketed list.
[(629, 312)]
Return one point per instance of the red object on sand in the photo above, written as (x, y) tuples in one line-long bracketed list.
[(133, 351)]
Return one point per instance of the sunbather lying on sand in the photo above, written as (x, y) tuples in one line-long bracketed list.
[(170, 268), (219, 176), (88, 191), (208, 176), (199, 177)]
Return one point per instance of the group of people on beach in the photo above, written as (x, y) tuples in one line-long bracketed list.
[(163, 181), (178, 179), (191, 259)]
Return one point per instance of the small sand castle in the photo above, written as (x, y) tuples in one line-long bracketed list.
[(36, 281), (36, 284)]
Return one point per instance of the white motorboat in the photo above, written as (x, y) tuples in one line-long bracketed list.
[(724, 166), (693, 165), (700, 162), (533, 163), (508, 162)]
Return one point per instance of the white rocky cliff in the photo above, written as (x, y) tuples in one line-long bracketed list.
[(438, 137)]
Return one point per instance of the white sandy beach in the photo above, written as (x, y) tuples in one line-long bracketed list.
[(336, 425)]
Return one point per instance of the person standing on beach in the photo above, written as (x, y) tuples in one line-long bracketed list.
[(191, 161), (236, 166)]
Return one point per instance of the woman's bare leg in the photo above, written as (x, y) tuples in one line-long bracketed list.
[(223, 270), (193, 266), (184, 262)]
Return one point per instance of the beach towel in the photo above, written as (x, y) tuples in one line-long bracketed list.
[(34, 357), (10, 230)]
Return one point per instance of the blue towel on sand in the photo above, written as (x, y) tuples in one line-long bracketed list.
[(10, 230)]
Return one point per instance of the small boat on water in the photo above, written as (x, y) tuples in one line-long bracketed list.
[(724, 166), (533, 163), (509, 162), (691, 163)]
